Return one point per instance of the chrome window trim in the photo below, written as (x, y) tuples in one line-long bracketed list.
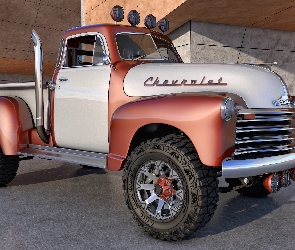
[(60, 53), (152, 37), (173, 47), (132, 33), (97, 34)]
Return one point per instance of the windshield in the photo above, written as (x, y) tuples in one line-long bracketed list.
[(134, 46)]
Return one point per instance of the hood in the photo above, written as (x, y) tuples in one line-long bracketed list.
[(257, 86)]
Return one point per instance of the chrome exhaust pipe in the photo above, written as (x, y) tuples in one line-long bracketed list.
[(39, 87), (285, 180), (272, 183)]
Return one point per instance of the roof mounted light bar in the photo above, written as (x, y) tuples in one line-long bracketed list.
[(133, 17)]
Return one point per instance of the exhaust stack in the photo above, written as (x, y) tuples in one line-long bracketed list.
[(39, 87)]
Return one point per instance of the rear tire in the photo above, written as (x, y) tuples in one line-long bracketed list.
[(256, 190), (169, 163), (8, 168)]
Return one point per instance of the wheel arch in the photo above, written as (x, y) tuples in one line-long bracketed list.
[(15, 120), (150, 131)]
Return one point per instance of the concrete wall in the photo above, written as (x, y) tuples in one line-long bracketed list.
[(219, 43), (18, 17)]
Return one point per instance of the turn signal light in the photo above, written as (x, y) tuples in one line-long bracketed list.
[(248, 116), (292, 99)]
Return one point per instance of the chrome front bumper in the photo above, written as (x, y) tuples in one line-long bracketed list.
[(251, 167)]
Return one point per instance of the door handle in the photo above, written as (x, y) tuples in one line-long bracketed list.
[(63, 79)]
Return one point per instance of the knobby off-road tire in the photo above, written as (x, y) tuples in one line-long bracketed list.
[(256, 190), (172, 164), (8, 168)]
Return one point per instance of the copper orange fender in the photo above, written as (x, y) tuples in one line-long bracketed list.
[(15, 118), (198, 116)]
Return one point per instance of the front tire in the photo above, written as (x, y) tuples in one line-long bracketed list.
[(169, 192), (8, 168)]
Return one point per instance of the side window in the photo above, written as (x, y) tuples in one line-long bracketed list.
[(83, 51)]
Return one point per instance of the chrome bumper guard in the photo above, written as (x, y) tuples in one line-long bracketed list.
[(251, 167)]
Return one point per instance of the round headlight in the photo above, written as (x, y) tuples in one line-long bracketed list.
[(227, 108)]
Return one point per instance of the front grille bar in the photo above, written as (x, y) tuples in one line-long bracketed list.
[(262, 128), (269, 138), (271, 133)]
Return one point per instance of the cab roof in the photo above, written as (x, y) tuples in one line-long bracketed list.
[(111, 28)]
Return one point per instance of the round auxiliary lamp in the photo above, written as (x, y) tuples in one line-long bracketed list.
[(117, 13), (150, 21), (163, 25), (133, 17)]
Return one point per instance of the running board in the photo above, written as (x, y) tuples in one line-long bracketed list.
[(65, 154)]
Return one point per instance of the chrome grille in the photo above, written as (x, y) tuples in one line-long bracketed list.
[(270, 133)]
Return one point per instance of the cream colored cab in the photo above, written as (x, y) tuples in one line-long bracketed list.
[(81, 95)]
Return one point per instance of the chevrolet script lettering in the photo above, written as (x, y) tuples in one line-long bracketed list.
[(151, 82)]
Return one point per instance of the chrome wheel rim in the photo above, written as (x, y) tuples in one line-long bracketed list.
[(159, 189)]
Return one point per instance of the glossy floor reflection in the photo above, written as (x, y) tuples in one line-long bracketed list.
[(56, 205)]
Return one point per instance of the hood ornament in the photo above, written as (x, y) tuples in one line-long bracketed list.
[(283, 100)]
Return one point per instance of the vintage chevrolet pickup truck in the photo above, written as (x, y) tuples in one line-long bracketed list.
[(121, 98)]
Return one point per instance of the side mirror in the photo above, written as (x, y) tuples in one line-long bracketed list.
[(106, 60)]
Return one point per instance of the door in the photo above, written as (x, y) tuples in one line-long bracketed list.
[(81, 96)]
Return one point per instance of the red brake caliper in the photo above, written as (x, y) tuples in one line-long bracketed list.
[(167, 189)]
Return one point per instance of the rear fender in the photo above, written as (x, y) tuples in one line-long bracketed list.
[(15, 122), (198, 116)]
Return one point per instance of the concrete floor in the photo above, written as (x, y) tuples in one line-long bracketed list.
[(55, 205)]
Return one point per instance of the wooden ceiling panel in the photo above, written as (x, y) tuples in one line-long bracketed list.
[(261, 14), (284, 20)]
